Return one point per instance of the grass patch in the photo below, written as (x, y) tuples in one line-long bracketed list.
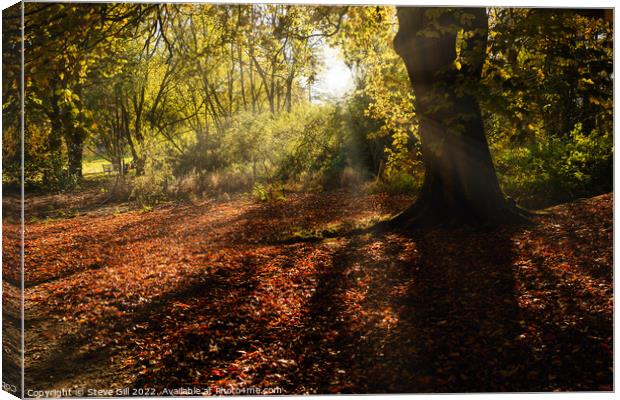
[(334, 230), (93, 164)]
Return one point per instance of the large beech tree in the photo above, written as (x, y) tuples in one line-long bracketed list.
[(444, 51)]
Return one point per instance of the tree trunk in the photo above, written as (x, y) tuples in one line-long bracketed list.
[(241, 79), (231, 76), (278, 97), (74, 150), (289, 93), (137, 162), (54, 143), (460, 183), (253, 94)]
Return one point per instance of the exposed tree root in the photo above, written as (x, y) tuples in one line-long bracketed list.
[(424, 214)]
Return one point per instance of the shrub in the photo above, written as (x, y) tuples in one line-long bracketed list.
[(555, 169), (271, 192), (400, 183), (259, 192), (156, 183)]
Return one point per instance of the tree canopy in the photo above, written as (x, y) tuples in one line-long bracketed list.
[(225, 93)]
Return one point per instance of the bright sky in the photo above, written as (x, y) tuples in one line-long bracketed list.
[(336, 79)]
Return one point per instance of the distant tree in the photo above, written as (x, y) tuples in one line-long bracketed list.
[(11, 94), (64, 46)]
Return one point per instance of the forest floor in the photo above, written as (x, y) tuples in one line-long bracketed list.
[(203, 295)]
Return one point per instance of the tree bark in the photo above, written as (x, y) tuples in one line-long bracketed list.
[(289, 92), (137, 161), (241, 78), (54, 143), (460, 183), (74, 152)]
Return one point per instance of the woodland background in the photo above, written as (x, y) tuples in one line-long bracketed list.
[(202, 100)]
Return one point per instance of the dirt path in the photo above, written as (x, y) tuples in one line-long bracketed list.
[(199, 295)]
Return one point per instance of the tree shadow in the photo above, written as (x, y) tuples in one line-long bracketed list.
[(467, 317), (441, 317), (449, 311), (90, 348)]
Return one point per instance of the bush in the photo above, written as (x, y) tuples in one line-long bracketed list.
[(310, 146), (271, 192), (556, 169), (156, 184), (259, 192), (401, 183)]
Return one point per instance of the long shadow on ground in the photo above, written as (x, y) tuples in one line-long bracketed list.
[(426, 310), (441, 316), (439, 313)]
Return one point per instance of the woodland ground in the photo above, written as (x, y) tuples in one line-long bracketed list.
[(203, 294)]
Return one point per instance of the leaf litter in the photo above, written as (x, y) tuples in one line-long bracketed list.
[(202, 294)]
